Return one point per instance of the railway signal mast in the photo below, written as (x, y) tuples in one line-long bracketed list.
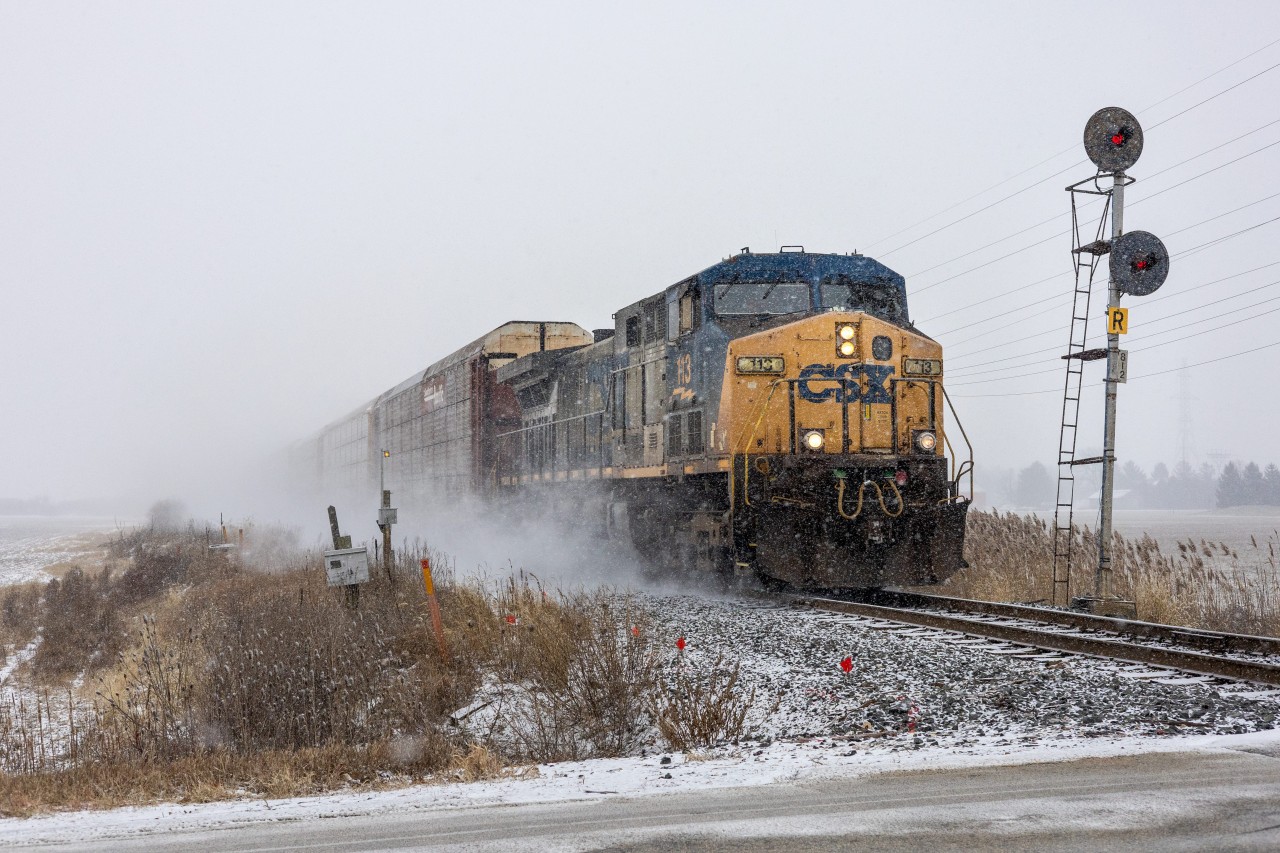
[(1138, 264)]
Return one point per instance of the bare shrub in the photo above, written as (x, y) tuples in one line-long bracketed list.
[(81, 628), (148, 706), (612, 675), (290, 666), (575, 674), (19, 613), (703, 710)]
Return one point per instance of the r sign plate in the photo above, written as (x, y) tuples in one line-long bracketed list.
[(922, 367), (761, 364)]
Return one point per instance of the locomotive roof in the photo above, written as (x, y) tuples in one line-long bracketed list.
[(796, 266)]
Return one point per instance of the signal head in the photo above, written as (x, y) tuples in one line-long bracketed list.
[(1139, 263), (1113, 139)]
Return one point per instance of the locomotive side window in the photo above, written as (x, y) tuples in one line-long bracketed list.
[(675, 325), (690, 311)]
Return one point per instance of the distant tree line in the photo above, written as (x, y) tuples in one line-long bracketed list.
[(45, 506), (1185, 487), (1251, 485)]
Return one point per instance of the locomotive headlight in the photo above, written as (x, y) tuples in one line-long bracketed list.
[(846, 332), (846, 348), (926, 441), (813, 439)]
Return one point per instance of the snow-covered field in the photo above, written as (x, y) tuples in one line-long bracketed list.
[(29, 543)]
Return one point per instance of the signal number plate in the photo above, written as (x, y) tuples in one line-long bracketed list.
[(922, 366), (761, 364)]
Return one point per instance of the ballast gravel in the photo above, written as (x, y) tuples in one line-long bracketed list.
[(909, 687)]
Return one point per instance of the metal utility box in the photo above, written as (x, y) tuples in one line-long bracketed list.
[(387, 515), (347, 566)]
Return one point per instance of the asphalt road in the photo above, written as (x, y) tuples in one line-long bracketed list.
[(1167, 802)]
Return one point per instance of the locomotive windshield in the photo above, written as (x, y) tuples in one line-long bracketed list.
[(762, 297), (878, 298)]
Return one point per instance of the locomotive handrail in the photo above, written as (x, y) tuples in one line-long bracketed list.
[(746, 469), (966, 467)]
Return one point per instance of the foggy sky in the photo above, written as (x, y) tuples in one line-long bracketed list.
[(223, 225)]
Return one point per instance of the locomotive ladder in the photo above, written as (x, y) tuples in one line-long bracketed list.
[(1086, 257)]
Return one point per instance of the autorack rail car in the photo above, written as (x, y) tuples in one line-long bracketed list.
[(775, 414)]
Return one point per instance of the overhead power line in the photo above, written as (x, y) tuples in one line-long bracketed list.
[(1212, 97), (1068, 150), (1030, 246), (1056, 216), (969, 370), (1132, 349), (1131, 378), (1004, 316), (1065, 272)]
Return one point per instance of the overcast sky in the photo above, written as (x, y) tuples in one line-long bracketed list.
[(223, 225)]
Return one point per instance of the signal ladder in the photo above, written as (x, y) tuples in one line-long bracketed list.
[(1086, 257)]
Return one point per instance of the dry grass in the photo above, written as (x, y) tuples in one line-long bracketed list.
[(1203, 585), (577, 673), (20, 613), (705, 709), (217, 774), (208, 677)]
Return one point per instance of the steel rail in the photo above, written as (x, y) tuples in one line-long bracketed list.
[(1103, 647), (1212, 641)]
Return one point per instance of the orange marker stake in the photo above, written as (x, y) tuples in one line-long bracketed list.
[(436, 624)]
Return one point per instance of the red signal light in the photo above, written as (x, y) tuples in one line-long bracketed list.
[(900, 478), (1141, 264), (1117, 139)]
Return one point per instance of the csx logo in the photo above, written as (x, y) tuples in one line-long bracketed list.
[(847, 392)]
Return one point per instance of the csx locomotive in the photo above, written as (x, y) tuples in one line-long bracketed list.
[(775, 414)]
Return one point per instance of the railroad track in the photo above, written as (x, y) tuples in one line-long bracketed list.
[(1209, 653)]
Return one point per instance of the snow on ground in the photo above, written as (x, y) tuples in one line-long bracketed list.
[(914, 699), (30, 544), (16, 659), (780, 762), (952, 690)]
